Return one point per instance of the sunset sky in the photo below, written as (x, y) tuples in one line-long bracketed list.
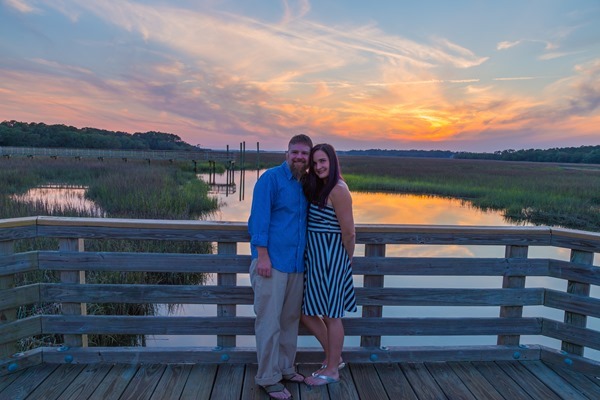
[(463, 75)]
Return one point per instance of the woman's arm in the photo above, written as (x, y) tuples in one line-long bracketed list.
[(342, 204)]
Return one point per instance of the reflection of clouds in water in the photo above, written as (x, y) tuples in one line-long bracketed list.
[(373, 208), (391, 208), (61, 199), (428, 251)]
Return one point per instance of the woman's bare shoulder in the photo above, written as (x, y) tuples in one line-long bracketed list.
[(340, 190)]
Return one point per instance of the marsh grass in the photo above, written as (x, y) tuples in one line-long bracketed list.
[(552, 194), (539, 193), (131, 190)]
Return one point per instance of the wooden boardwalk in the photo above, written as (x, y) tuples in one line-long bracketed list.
[(507, 369), (430, 380)]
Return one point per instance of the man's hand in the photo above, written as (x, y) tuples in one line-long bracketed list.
[(263, 264), (263, 268)]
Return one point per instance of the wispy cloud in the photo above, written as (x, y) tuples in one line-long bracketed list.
[(516, 78), (505, 45), (21, 6)]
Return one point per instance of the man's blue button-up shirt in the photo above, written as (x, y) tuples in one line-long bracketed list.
[(278, 219)]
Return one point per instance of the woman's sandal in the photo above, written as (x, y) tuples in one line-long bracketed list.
[(323, 380), (341, 365), (277, 388)]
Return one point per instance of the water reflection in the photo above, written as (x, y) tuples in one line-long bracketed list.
[(61, 199), (372, 208), (393, 208)]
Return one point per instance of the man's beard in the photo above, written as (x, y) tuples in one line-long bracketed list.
[(298, 169)]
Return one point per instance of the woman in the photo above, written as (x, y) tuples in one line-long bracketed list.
[(328, 286)]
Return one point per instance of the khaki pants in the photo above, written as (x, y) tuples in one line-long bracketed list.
[(277, 304)]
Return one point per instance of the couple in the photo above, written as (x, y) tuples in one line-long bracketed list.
[(302, 242)]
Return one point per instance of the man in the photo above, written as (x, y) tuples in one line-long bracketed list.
[(277, 227)]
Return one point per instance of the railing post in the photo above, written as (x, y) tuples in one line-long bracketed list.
[(372, 250), (9, 315), (580, 289), (74, 277), (512, 282), (226, 279)]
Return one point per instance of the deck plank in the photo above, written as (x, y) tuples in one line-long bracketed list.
[(449, 381), (114, 382), (86, 382), (26, 383), (142, 384), (422, 382), (580, 381), (250, 390), (475, 381), (357, 382), (503, 383), (56, 383), (200, 382), (228, 382), (395, 383), (6, 380), (560, 386), (524, 378), (172, 382)]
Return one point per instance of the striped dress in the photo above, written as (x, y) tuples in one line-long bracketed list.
[(328, 286)]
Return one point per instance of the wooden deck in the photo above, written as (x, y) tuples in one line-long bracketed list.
[(430, 380)]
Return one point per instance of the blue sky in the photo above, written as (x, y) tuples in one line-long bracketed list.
[(456, 75)]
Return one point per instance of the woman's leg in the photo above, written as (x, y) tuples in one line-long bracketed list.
[(333, 351), (335, 343), (317, 327)]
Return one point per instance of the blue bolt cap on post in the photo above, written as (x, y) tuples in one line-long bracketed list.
[(225, 357), (12, 367), (516, 355), (373, 357), (568, 361), (69, 359)]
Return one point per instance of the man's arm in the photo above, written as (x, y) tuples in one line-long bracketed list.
[(259, 223)]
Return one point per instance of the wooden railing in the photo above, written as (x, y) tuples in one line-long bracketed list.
[(60, 152), (73, 293)]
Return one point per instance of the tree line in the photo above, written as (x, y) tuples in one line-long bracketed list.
[(23, 134), (581, 155)]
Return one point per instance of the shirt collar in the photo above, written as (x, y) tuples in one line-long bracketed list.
[(288, 171)]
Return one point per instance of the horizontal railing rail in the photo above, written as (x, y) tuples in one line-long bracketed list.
[(55, 152), (71, 294)]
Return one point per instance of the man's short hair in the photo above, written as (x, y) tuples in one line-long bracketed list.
[(302, 139)]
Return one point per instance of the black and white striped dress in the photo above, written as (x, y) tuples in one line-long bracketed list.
[(328, 286)]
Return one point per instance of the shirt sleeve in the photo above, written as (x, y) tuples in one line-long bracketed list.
[(260, 213)]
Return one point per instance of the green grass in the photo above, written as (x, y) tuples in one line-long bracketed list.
[(123, 190), (540, 193), (552, 194)]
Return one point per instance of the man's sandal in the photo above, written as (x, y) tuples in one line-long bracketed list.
[(294, 377), (274, 391)]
